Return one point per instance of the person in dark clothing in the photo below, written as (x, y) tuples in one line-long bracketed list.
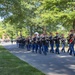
[(69, 37), (45, 45), (19, 41), (22, 42), (34, 44), (39, 42), (28, 43), (71, 42), (51, 39), (57, 43), (63, 42), (12, 41)]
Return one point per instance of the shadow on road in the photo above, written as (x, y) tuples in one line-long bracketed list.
[(51, 64)]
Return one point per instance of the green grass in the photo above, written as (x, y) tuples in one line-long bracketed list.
[(11, 65)]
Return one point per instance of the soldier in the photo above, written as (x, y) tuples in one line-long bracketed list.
[(69, 37), (57, 43), (19, 41), (45, 45), (12, 40), (51, 39), (47, 42), (71, 43), (28, 43), (63, 43), (39, 42), (34, 43), (23, 42)]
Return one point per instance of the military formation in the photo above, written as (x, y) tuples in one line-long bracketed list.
[(44, 43)]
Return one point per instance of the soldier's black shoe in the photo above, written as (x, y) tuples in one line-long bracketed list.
[(32, 51), (52, 52), (70, 54), (58, 53), (55, 52)]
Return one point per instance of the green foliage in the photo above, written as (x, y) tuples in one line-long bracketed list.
[(58, 11), (2, 30), (33, 15)]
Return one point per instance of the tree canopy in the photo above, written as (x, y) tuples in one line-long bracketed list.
[(35, 15), (58, 12)]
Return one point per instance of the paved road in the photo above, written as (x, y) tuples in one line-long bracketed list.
[(52, 64)]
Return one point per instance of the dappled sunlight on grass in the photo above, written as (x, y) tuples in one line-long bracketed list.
[(11, 65)]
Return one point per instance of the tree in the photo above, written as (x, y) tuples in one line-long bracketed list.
[(17, 12), (38, 15), (2, 30), (60, 12)]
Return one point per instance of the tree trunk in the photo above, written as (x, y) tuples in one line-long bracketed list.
[(31, 31), (74, 24), (20, 33), (16, 33), (44, 29)]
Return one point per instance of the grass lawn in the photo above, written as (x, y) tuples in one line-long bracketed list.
[(11, 65)]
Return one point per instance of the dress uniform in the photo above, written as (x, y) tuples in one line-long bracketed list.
[(33, 44), (63, 43), (36, 44), (28, 44), (57, 43), (69, 37), (45, 45), (51, 39), (39, 42), (72, 39)]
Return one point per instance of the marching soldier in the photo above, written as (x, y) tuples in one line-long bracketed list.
[(71, 43), (57, 43), (33, 43), (39, 42), (68, 38), (51, 39), (28, 43), (63, 43), (45, 45)]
